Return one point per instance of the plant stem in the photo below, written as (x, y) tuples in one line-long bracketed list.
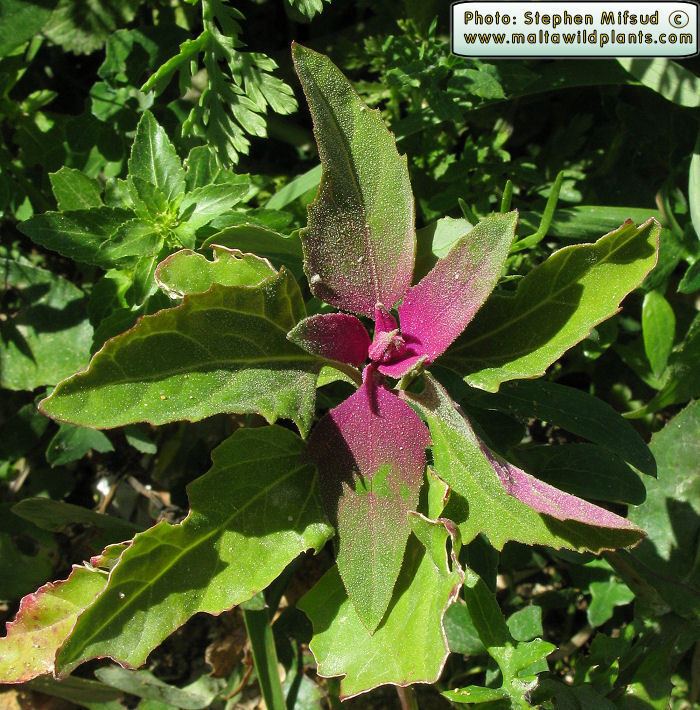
[(407, 698), (262, 642)]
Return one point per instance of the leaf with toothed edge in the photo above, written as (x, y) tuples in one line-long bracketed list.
[(410, 645), (224, 350), (435, 311), (370, 453), (504, 503), (251, 514), (359, 245), (43, 622), (555, 306)]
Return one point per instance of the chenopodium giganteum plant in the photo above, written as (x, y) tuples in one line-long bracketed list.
[(240, 341)]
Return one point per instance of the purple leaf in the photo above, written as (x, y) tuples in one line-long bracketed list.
[(435, 311), (336, 336), (370, 452), (549, 500)]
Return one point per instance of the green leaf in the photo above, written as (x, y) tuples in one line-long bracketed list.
[(306, 8), (475, 694), (694, 187), (682, 381), (278, 248), (658, 330), (143, 684), (408, 647), (526, 623), (555, 306), (605, 596), (204, 204), (85, 31), (74, 190), (359, 245), (574, 410), (43, 622), (20, 20), (47, 335), (251, 514), (518, 660), (154, 160), (667, 559), (295, 188), (667, 78), (187, 272), (434, 242), (57, 516), (480, 504), (81, 235), (224, 350), (71, 443)]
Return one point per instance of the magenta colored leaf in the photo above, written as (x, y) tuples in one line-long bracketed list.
[(435, 311), (370, 452), (336, 336), (549, 500)]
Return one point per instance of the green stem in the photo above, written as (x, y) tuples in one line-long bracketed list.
[(547, 217), (262, 642)]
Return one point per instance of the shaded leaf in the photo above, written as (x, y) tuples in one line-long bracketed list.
[(255, 510), (584, 470), (57, 516), (658, 330), (666, 560), (370, 452), (204, 204), (666, 77), (74, 190), (279, 249), (574, 410), (143, 684), (47, 336), (71, 443), (408, 647), (224, 350), (82, 235), (491, 497), (555, 306), (360, 242)]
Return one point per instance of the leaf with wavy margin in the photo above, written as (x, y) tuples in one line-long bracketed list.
[(251, 514), (555, 306)]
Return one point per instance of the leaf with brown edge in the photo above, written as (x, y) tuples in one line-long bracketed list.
[(410, 644), (359, 245), (224, 350), (43, 622), (252, 513)]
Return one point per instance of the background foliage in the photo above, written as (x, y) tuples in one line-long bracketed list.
[(88, 88)]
